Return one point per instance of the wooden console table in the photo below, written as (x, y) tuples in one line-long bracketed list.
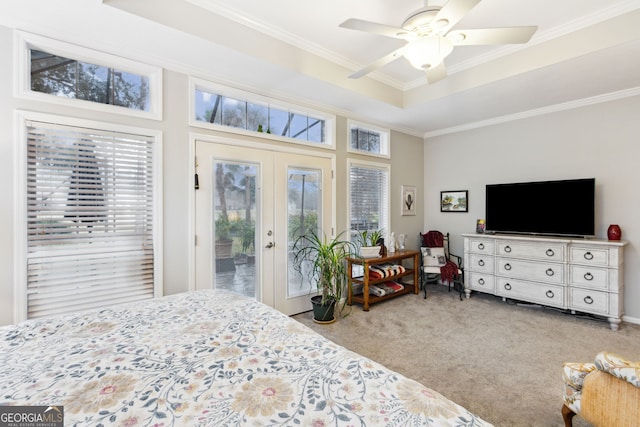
[(396, 258)]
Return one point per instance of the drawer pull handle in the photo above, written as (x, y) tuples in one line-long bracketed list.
[(481, 281), (507, 249), (550, 272), (550, 252), (588, 299), (588, 256), (588, 276), (507, 286), (507, 266), (481, 263), (481, 246), (550, 294)]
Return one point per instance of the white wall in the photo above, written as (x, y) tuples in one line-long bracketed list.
[(598, 141), (406, 168)]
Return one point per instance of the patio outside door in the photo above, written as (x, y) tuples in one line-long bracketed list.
[(251, 205)]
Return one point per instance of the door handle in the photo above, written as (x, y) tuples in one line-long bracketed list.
[(270, 245)]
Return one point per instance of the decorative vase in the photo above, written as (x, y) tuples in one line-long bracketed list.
[(614, 232), (402, 238)]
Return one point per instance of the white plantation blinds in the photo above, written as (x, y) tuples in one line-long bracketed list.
[(369, 198), (89, 218)]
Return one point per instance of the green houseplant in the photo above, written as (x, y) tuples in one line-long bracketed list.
[(321, 260), (369, 243)]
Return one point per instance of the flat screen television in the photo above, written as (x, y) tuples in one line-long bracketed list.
[(555, 208)]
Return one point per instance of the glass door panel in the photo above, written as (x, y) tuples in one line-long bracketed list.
[(234, 227), (304, 204)]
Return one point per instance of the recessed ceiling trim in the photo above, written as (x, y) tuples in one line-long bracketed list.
[(223, 9), (538, 112), (550, 34)]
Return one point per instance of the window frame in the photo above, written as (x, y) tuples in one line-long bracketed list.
[(384, 167), (253, 98), (24, 42), (21, 199), (385, 139)]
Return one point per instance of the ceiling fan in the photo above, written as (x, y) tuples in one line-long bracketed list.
[(430, 38)]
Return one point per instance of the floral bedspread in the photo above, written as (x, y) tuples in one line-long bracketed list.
[(206, 358)]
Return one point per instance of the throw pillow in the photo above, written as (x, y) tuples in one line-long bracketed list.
[(433, 257)]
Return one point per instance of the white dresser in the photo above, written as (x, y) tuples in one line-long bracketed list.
[(581, 275)]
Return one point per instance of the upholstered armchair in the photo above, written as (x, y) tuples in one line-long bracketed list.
[(605, 393)]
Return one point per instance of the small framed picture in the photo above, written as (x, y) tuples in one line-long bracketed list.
[(408, 200), (454, 201)]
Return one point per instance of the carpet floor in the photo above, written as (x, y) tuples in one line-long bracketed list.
[(501, 360)]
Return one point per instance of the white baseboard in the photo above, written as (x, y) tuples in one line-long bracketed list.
[(630, 319)]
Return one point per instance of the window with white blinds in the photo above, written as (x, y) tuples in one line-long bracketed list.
[(368, 197), (90, 218)]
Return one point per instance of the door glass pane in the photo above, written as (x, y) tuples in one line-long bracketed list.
[(234, 215), (304, 203)]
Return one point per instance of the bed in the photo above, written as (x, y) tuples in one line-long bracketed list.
[(206, 358)]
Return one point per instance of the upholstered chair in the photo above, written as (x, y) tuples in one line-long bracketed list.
[(604, 393)]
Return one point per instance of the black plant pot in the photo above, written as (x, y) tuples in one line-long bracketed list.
[(323, 313)]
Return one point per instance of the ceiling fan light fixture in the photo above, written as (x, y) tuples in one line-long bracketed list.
[(427, 52)]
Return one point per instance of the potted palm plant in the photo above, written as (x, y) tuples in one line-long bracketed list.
[(224, 242), (321, 260)]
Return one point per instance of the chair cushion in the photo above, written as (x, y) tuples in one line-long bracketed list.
[(433, 257)]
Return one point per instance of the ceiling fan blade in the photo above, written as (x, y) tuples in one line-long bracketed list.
[(508, 35), (451, 13), (377, 64), (436, 73), (373, 27)]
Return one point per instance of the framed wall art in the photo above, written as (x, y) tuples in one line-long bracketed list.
[(408, 200), (454, 201)]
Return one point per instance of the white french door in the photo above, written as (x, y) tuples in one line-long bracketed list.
[(258, 201)]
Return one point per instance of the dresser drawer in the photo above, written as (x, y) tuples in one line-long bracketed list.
[(481, 282), (481, 246), (590, 256), (534, 251), (530, 270), (591, 277), (480, 263), (542, 293), (589, 301)]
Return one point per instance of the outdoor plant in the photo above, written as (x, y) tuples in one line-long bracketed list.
[(247, 231), (223, 228)]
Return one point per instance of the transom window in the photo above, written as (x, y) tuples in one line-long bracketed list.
[(70, 78), (368, 139), (57, 72), (246, 112)]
